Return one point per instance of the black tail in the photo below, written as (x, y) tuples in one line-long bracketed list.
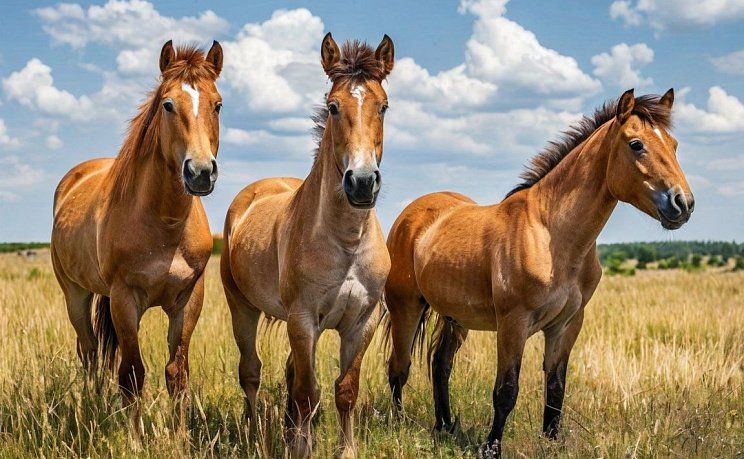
[(105, 332)]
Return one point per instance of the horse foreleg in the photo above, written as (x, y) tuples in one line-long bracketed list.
[(354, 343), (304, 394), (181, 323), (510, 340), (125, 317), (558, 345)]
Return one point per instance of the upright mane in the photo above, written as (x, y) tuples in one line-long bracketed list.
[(142, 137), (646, 107), (357, 64)]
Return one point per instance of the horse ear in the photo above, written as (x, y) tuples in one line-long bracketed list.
[(167, 55), (667, 100), (385, 54), (329, 53), (625, 106), (214, 57)]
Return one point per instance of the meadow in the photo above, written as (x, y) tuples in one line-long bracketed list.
[(657, 372)]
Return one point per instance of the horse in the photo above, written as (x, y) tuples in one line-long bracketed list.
[(130, 232), (312, 252), (528, 263)]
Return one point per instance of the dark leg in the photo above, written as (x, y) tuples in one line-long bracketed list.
[(126, 319), (405, 315), (510, 344), (558, 345), (449, 341)]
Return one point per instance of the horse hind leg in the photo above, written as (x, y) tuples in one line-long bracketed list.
[(407, 316), (245, 320), (79, 310), (448, 339)]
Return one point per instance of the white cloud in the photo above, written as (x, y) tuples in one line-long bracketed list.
[(53, 142), (677, 14), (723, 114), (445, 90), (731, 63), (16, 174), (263, 142), (735, 163), (622, 66), (623, 10), (274, 65), (133, 24), (732, 189), (502, 52), (33, 86), (5, 139)]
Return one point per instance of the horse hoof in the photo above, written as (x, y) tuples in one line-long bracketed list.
[(492, 451)]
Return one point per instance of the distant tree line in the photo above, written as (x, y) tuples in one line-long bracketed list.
[(6, 247), (688, 255)]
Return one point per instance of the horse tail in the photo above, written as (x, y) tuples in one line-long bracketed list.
[(105, 332)]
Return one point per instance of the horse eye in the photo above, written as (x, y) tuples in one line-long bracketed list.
[(168, 106), (636, 145), (218, 107), (333, 108), (384, 109)]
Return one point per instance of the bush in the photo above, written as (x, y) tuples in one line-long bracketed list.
[(641, 265), (739, 265), (696, 260), (663, 264), (673, 263)]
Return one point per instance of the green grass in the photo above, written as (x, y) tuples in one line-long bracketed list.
[(657, 371)]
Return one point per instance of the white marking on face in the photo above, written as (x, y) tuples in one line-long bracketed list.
[(658, 133), (358, 93), (362, 161), (194, 93)]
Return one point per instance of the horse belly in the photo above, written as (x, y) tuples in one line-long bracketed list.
[(352, 300), (458, 292)]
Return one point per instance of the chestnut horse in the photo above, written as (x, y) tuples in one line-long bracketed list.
[(130, 232), (311, 252), (528, 263)]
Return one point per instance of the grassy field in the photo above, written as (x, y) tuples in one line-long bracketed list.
[(657, 371)]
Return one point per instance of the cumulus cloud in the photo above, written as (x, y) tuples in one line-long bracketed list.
[(135, 27), (275, 65), (5, 139), (724, 114), (265, 144), (504, 53), (53, 142), (677, 14), (33, 86), (14, 173), (621, 67), (731, 63)]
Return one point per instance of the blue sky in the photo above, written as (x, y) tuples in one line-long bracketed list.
[(478, 88)]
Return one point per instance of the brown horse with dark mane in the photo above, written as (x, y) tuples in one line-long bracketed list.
[(311, 252), (529, 263), (130, 232)]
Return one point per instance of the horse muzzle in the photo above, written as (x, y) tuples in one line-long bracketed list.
[(199, 178), (674, 207), (362, 187)]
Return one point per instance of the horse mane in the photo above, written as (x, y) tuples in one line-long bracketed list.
[(646, 107), (143, 134), (357, 64)]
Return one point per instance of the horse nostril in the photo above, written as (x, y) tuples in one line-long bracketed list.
[(213, 175), (680, 202)]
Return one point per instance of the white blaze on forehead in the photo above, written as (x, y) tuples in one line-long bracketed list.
[(358, 93), (658, 133), (190, 90)]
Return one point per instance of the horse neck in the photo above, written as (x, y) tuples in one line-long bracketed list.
[(573, 200), (155, 189), (320, 196)]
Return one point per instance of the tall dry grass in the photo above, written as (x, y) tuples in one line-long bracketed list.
[(657, 371)]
